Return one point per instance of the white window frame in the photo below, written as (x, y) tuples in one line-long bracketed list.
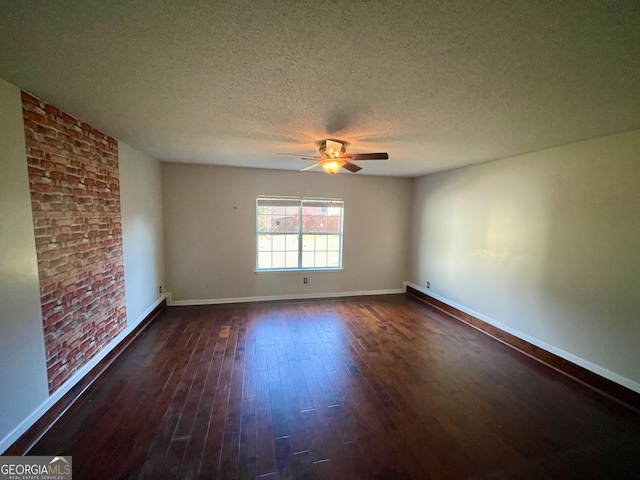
[(299, 203)]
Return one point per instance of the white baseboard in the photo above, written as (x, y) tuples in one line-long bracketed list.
[(302, 296), (603, 372), (7, 441)]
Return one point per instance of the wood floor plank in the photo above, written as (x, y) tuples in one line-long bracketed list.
[(108, 426), (210, 464), (211, 369), (264, 445), (247, 455), (234, 404), (150, 413), (367, 387), (162, 457)]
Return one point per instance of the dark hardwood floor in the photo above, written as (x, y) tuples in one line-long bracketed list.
[(378, 387)]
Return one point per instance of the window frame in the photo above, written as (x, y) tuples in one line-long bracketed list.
[(300, 203)]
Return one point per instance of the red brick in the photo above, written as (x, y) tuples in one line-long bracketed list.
[(54, 317), (46, 131), (36, 172), (55, 213), (42, 187), (35, 152), (28, 98), (51, 110), (68, 118), (35, 117), (49, 149), (77, 324)]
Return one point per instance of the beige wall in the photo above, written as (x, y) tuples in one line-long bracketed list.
[(142, 235), (210, 242), (23, 373), (546, 244)]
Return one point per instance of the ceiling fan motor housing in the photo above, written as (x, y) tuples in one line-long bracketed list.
[(328, 148)]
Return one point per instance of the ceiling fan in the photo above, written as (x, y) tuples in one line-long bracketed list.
[(333, 158)]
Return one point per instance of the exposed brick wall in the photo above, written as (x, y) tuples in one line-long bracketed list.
[(75, 196)]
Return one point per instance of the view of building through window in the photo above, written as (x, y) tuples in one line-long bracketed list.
[(298, 233)]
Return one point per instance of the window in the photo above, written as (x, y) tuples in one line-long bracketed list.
[(298, 233)]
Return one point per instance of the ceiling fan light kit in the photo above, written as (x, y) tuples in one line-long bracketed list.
[(331, 165), (333, 158)]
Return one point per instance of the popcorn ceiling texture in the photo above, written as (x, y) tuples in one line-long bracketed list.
[(75, 197), (436, 83)]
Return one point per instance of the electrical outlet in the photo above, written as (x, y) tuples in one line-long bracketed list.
[(160, 288), (306, 280), (428, 284)]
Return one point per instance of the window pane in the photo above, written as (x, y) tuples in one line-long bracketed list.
[(293, 219), (333, 242), (264, 260), (333, 224), (321, 224), (292, 243), (308, 243), (291, 259), (307, 260), (308, 219), (289, 224), (264, 243), (321, 242), (321, 259), (278, 260), (264, 223), (278, 243), (277, 224), (333, 259)]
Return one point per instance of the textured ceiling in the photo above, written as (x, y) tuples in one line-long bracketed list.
[(436, 84)]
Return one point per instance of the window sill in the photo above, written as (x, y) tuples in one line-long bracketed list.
[(281, 270)]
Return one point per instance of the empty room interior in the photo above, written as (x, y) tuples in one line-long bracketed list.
[(332, 239)]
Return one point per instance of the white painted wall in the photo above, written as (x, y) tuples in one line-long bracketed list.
[(546, 244), (142, 235), (23, 373), (210, 242)]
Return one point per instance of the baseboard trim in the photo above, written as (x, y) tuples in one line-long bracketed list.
[(59, 402), (615, 390), (268, 298)]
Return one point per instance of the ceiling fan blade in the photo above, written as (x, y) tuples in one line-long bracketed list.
[(366, 156), (309, 167), (304, 157), (352, 167)]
